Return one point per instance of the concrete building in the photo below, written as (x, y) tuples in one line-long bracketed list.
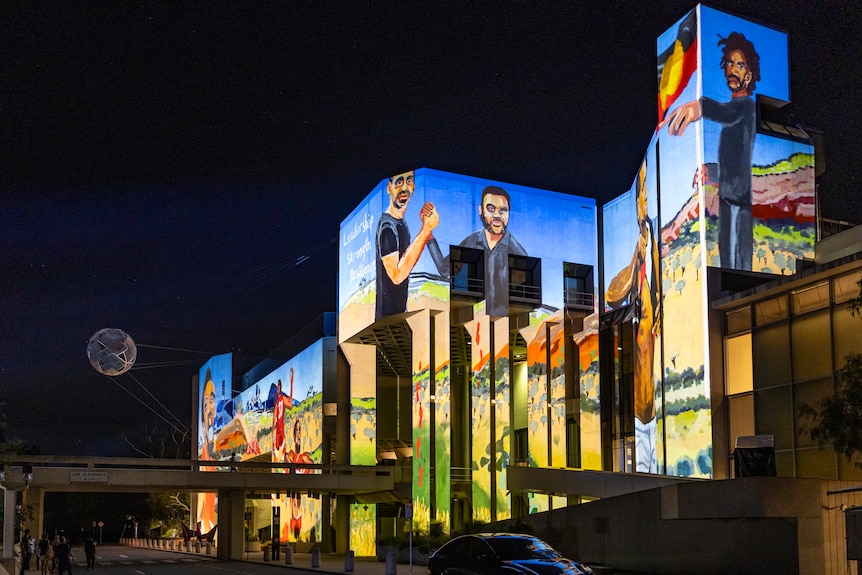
[(488, 333)]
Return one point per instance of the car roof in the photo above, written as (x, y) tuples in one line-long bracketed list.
[(501, 535)]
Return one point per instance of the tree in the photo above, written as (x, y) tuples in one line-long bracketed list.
[(837, 418), (159, 441), (856, 303), (168, 510)]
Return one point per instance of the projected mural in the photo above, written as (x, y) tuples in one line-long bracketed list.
[(294, 395), (417, 217), (634, 280), (216, 407), (414, 236), (730, 197), (216, 411), (759, 189), (363, 529)]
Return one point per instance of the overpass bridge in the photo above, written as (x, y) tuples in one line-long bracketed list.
[(35, 475)]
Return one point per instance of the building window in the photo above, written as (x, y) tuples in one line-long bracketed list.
[(773, 415), (771, 355), (846, 287), (810, 393), (771, 310), (521, 449), (737, 364), (741, 417), (467, 271), (573, 443), (810, 298), (525, 279), (846, 329), (578, 285), (738, 320), (811, 349)]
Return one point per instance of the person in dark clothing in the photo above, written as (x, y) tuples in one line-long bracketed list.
[(26, 550), (396, 254), (63, 557), (44, 545), (90, 552), (738, 119)]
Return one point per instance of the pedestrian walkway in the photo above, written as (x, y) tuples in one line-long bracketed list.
[(323, 562), (337, 563)]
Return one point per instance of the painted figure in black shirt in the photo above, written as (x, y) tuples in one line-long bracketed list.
[(396, 254), (738, 117)]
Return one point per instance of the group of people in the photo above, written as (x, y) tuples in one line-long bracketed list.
[(53, 553)]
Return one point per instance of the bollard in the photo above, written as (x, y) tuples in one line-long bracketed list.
[(266, 552), (391, 563), (209, 547), (348, 561), (288, 555), (198, 546), (315, 557)]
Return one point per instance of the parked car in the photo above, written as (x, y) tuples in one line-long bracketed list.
[(504, 553)]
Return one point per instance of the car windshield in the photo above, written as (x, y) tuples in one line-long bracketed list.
[(519, 548)]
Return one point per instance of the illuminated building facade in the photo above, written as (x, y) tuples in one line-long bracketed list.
[(484, 326)]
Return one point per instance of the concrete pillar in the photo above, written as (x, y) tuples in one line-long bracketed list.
[(342, 523), (231, 531), (35, 499), (9, 502)]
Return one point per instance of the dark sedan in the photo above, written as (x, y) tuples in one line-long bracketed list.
[(489, 554)]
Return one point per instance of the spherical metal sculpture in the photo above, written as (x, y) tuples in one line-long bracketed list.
[(111, 351)]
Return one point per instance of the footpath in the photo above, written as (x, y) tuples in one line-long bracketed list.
[(319, 562)]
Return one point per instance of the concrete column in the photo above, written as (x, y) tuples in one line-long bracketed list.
[(342, 524), (231, 531), (35, 499), (9, 503)]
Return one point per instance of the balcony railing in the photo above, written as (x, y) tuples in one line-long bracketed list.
[(474, 287), (579, 299), (525, 293)]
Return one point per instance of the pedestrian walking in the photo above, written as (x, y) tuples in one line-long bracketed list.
[(48, 560), (27, 548), (42, 550), (90, 551), (63, 557)]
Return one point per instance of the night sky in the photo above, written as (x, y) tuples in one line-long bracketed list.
[(165, 165)]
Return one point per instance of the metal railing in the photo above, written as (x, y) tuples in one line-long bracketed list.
[(579, 299), (525, 292)]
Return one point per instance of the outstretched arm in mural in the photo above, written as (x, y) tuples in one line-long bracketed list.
[(679, 119), (398, 269), (440, 261)]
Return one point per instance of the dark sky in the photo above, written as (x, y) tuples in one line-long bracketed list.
[(164, 164)]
